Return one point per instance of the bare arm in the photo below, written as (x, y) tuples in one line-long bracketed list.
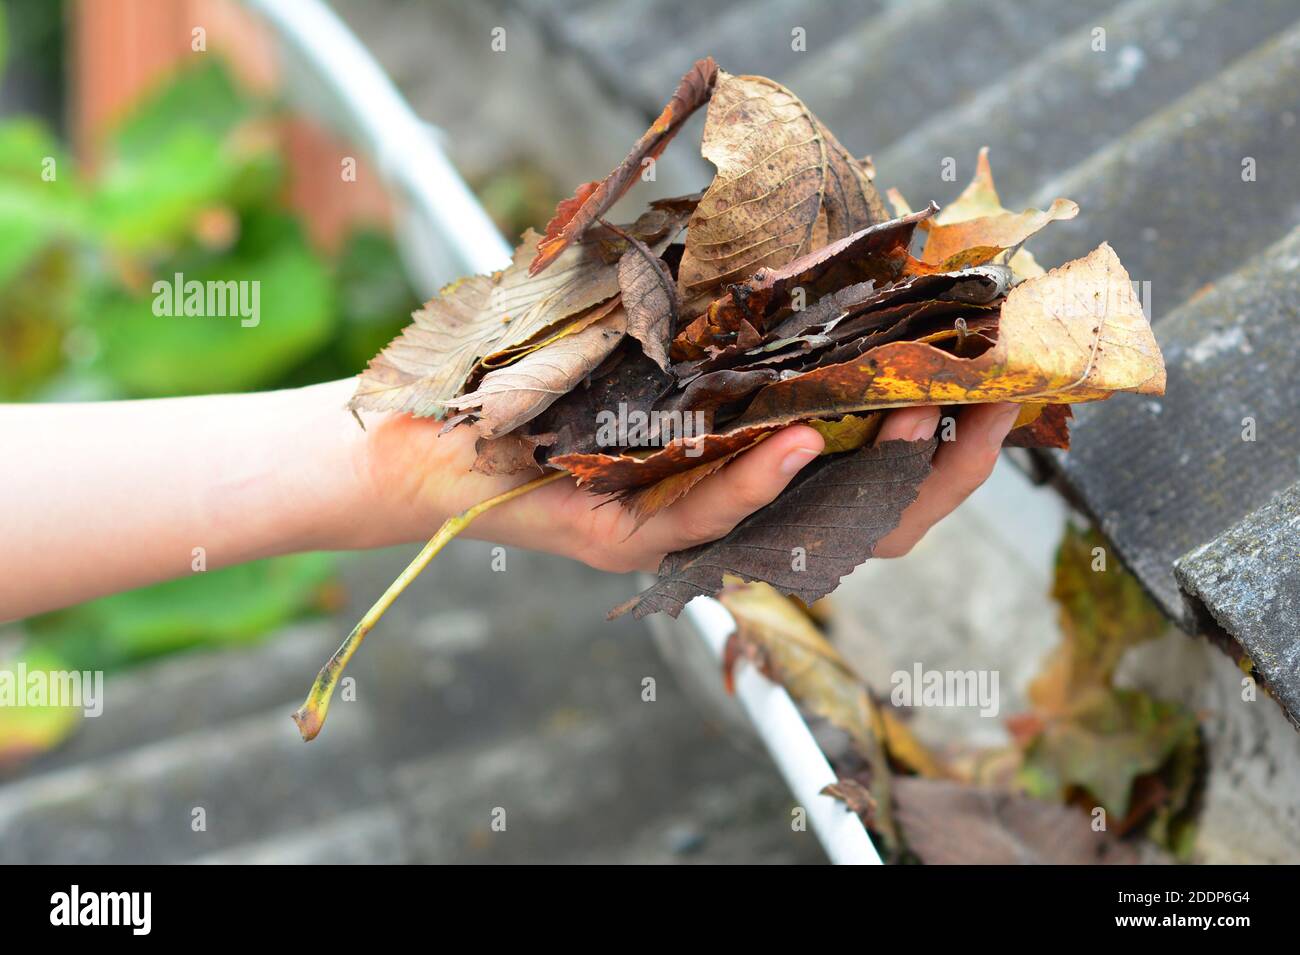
[(102, 497)]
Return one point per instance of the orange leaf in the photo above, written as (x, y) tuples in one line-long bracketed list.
[(592, 199)]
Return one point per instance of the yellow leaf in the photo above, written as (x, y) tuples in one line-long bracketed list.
[(846, 434), (977, 220)]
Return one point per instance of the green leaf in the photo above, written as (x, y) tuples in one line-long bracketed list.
[(233, 605), (35, 314), (203, 100), (171, 354), (150, 202), (1117, 737), (374, 296), (1127, 751), (177, 153), (26, 731), (34, 210)]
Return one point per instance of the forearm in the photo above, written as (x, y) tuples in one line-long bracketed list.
[(98, 498), (114, 495)]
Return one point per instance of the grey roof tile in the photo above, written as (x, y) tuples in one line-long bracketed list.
[(1247, 580)]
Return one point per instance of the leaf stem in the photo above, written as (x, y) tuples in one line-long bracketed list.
[(310, 717)]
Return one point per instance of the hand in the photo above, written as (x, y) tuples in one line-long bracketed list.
[(248, 476), (421, 477)]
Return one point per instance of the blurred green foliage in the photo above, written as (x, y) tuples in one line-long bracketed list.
[(29, 730), (518, 196), (189, 182), (229, 606)]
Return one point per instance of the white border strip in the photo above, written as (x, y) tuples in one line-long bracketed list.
[(791, 744)]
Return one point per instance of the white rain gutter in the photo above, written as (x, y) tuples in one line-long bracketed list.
[(789, 741), (444, 233), (442, 229)]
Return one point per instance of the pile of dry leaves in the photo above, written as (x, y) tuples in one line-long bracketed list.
[(641, 362)]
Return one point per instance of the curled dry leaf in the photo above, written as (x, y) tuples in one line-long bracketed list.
[(976, 241), (487, 321), (583, 275), (645, 502), (434, 356), (650, 297), (876, 253), (785, 186), (1041, 426), (510, 396), (616, 473), (593, 199), (1076, 334), (860, 318), (510, 453), (647, 483), (975, 228)]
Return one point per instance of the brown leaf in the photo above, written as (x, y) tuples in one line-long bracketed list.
[(1076, 334), (707, 393), (836, 509), (593, 199), (650, 297), (876, 253), (1041, 426), (951, 245), (615, 473), (430, 360), (856, 797), (435, 355), (847, 314), (944, 324), (571, 326), (645, 502), (925, 308), (510, 453), (784, 186), (583, 275), (510, 396), (627, 381), (947, 823)]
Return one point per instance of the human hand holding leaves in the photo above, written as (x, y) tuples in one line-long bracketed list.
[(668, 374)]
